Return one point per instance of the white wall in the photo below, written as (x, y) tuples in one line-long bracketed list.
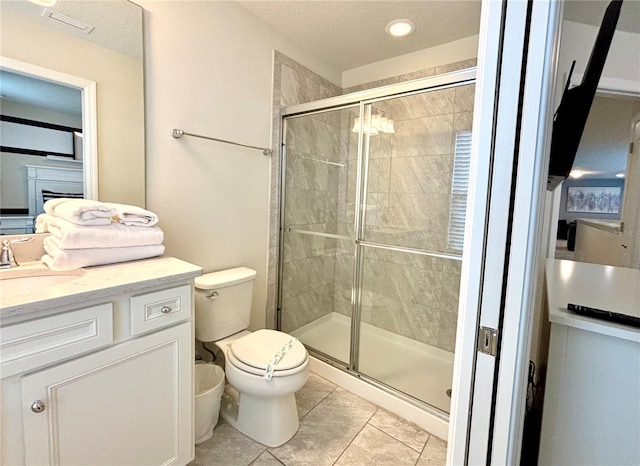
[(623, 60), (209, 71), (458, 50), (605, 142)]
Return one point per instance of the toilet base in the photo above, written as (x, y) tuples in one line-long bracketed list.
[(270, 421)]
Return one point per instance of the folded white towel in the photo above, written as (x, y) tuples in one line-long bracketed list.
[(80, 211), (42, 223), (133, 215), (68, 235), (70, 259)]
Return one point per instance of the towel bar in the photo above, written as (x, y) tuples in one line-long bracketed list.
[(178, 133)]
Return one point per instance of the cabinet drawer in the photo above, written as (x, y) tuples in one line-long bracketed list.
[(159, 309), (32, 344)]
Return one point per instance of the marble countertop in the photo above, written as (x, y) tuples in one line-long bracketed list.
[(615, 289), (97, 283)]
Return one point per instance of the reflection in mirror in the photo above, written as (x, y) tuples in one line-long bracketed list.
[(110, 56), (40, 129), (47, 142)]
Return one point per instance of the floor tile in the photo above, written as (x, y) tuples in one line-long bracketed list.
[(266, 459), (374, 447), (405, 431), (434, 453), (326, 431), (227, 447), (314, 391)]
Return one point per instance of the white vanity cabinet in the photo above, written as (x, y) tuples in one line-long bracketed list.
[(125, 405), (110, 383)]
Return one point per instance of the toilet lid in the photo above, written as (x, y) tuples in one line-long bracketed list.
[(259, 348)]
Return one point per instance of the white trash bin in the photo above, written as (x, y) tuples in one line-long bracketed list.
[(209, 388)]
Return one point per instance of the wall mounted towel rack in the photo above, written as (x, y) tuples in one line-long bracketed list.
[(178, 133)]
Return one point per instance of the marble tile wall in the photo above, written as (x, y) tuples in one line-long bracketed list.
[(314, 208), (407, 205)]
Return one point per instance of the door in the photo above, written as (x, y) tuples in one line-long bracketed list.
[(630, 210), (75, 415), (317, 243), (507, 182), (410, 244)]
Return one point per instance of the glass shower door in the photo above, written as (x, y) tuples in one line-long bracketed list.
[(372, 228), (317, 240), (411, 242)]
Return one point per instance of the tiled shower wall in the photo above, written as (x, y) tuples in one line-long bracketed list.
[(310, 259), (407, 205)]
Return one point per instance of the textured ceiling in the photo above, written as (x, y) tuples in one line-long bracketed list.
[(118, 23), (348, 34)]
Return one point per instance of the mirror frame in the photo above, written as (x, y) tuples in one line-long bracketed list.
[(89, 115)]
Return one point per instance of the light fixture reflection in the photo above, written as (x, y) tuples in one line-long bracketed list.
[(379, 124)]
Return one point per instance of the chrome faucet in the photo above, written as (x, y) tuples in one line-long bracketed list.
[(7, 258)]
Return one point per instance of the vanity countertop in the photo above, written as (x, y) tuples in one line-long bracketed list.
[(96, 283), (615, 289), (611, 226)]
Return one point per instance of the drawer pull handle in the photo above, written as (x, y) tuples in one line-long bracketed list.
[(37, 406), (214, 295), (165, 309)]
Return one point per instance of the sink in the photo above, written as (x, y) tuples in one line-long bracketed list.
[(31, 277), (12, 287)]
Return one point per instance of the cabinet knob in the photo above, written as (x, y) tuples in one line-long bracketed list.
[(37, 406), (165, 309)]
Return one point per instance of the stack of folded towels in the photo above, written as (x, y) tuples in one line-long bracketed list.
[(85, 233)]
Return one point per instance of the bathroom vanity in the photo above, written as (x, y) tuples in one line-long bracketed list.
[(97, 367), (592, 395)]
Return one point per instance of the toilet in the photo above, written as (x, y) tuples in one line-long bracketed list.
[(264, 368)]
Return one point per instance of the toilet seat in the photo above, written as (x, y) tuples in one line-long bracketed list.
[(252, 353)]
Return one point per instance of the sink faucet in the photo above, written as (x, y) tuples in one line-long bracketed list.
[(7, 258)]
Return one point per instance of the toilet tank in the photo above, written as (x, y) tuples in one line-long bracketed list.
[(223, 303)]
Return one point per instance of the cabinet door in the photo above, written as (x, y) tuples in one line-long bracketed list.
[(130, 404)]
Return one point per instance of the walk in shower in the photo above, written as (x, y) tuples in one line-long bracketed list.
[(373, 198)]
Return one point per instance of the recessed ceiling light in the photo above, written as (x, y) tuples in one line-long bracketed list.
[(400, 27), (619, 175)]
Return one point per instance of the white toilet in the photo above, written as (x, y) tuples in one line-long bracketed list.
[(265, 367)]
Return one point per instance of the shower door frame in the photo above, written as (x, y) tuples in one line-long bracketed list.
[(361, 99)]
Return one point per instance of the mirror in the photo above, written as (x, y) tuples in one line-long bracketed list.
[(596, 208), (95, 47)]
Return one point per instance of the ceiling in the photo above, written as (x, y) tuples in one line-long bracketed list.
[(592, 11), (40, 93), (349, 34), (117, 24)]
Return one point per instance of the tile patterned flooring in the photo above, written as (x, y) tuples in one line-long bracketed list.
[(336, 428)]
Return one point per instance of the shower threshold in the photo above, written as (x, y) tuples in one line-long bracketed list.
[(417, 369)]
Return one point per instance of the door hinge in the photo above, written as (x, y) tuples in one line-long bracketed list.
[(488, 340), (631, 147)]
